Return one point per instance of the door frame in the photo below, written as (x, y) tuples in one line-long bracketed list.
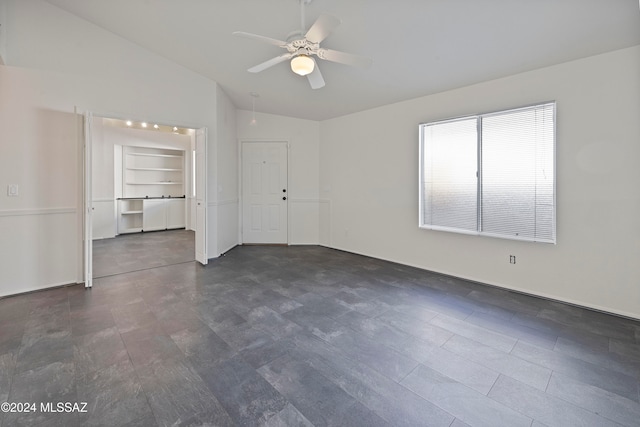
[(86, 141), (87, 211), (201, 204), (241, 183)]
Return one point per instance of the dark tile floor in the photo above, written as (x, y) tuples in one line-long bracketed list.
[(309, 336), (138, 251)]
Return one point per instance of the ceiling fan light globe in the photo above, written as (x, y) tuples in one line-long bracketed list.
[(302, 65)]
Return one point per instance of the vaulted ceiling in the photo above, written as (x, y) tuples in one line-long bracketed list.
[(418, 47)]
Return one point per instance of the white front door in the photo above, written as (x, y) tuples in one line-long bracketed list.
[(264, 192)]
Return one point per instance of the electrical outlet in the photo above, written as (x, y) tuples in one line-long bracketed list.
[(512, 259)]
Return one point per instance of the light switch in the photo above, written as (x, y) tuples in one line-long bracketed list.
[(12, 190)]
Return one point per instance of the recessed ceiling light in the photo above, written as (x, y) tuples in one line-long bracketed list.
[(143, 124), (129, 123)]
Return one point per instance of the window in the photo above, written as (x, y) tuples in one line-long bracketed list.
[(491, 174)]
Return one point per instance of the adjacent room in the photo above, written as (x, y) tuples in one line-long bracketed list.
[(142, 180), (319, 212)]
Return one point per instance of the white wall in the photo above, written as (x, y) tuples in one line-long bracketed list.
[(58, 61), (369, 173), (3, 38), (303, 137), (38, 152)]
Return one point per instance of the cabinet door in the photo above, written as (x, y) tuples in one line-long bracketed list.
[(175, 213), (154, 216)]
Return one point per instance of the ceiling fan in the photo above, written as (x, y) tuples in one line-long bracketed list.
[(303, 47)]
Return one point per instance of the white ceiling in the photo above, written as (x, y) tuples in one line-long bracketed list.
[(418, 47)]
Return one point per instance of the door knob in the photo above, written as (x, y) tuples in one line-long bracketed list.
[(284, 198), (284, 190)]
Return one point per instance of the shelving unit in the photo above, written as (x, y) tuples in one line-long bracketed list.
[(152, 190), (152, 172)]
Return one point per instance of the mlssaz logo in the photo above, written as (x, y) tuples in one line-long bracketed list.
[(63, 407)]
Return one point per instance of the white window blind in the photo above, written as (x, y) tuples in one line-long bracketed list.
[(491, 174), (451, 160)]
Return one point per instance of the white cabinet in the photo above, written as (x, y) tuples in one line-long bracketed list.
[(152, 172), (136, 215)]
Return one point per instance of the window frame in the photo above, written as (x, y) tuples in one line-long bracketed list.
[(479, 175)]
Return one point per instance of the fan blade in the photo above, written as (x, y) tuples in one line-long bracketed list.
[(260, 38), (315, 78), (270, 63), (322, 28), (344, 58)]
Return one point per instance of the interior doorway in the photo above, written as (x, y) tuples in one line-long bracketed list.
[(265, 194), (144, 183)]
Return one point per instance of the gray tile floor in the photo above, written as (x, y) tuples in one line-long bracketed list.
[(138, 251), (303, 336)]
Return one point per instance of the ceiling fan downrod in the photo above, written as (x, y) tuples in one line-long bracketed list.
[(303, 3)]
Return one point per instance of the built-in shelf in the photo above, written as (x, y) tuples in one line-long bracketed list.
[(152, 172), (130, 216), (154, 169), (132, 153), (156, 183), (152, 190)]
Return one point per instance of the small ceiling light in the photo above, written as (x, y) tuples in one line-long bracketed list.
[(129, 123), (175, 129), (156, 126), (302, 65), (253, 121), (143, 124)]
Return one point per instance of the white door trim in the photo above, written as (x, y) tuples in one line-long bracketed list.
[(201, 204), (88, 202)]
